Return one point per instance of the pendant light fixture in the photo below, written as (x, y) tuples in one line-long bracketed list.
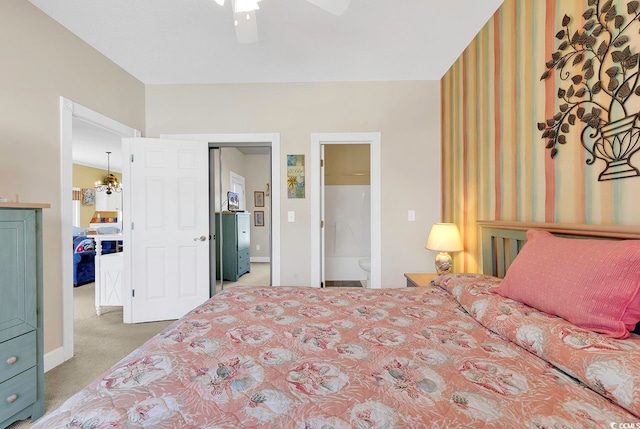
[(110, 182)]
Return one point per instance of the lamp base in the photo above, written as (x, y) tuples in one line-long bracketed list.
[(443, 263)]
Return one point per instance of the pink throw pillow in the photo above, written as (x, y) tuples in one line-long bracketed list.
[(594, 284)]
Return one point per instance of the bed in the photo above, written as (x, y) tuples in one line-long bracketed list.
[(455, 354)]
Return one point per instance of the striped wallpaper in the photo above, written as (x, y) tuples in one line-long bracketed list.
[(495, 165)]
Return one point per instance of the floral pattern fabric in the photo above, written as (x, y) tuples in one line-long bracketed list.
[(610, 367), (296, 357)]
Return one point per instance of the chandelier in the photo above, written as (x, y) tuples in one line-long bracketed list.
[(110, 182)]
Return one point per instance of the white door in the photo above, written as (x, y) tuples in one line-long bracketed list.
[(166, 228)]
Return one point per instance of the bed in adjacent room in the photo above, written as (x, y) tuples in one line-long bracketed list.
[(455, 354)]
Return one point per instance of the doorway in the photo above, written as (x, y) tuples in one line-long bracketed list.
[(241, 232), (318, 140), (71, 112), (346, 214)]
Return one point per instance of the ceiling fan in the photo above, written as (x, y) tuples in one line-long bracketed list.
[(244, 15)]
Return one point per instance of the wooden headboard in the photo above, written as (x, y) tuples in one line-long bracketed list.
[(501, 241)]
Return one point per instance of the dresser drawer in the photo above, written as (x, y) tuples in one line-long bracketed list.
[(244, 266), (243, 254), (17, 393), (17, 355)]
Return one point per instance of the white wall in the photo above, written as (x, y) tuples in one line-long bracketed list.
[(347, 221), (347, 229), (406, 113), (258, 174)]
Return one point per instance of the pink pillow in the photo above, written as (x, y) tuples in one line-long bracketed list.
[(593, 284)]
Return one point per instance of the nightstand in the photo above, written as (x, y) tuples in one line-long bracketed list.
[(419, 279)]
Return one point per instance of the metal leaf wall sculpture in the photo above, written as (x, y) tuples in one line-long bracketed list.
[(598, 70)]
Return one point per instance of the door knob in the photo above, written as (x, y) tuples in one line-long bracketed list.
[(201, 238), (12, 360), (11, 399)]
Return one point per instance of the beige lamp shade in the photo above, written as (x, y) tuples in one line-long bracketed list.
[(444, 237)]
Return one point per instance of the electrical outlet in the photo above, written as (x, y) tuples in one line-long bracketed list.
[(257, 247)]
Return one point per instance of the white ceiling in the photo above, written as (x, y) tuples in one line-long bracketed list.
[(90, 144), (193, 41)]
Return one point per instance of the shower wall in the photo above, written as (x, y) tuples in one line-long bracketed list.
[(347, 231)]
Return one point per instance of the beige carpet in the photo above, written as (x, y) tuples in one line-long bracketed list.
[(260, 275), (101, 341)]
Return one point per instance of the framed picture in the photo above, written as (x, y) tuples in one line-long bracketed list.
[(258, 218), (295, 176), (88, 196), (258, 198)]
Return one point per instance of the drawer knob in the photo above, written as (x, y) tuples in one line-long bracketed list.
[(12, 360), (11, 399)]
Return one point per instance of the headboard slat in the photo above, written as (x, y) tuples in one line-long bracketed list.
[(501, 241)]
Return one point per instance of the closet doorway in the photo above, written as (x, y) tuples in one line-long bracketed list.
[(240, 207)]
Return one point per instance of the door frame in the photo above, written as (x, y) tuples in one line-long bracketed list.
[(317, 140), (254, 139), (68, 111)]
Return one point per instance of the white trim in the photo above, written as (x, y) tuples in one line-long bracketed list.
[(259, 259), (68, 112), (317, 140), (53, 358), (274, 140)]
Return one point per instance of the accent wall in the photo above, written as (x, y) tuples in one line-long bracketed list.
[(496, 165)]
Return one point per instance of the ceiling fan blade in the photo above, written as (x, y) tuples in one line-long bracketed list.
[(246, 27), (335, 7)]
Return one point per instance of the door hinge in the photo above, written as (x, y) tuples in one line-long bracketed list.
[(133, 293), (132, 226), (321, 224), (322, 163), (131, 157)]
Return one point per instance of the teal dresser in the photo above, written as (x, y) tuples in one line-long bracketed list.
[(21, 354), (236, 243)]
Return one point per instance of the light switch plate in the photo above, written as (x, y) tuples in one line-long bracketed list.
[(412, 215), (291, 216)]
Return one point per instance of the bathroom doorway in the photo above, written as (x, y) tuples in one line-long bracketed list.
[(347, 214), (316, 195)]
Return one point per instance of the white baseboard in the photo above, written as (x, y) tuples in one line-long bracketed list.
[(53, 358), (260, 259)]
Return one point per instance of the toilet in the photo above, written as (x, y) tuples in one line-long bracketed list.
[(365, 264)]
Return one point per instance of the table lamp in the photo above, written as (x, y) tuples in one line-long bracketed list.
[(444, 237)]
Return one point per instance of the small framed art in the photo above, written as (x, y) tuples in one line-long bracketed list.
[(258, 198), (88, 196), (258, 218)]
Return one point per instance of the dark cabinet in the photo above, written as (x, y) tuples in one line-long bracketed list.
[(233, 242)]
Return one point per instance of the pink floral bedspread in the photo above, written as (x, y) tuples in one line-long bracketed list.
[(295, 357)]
